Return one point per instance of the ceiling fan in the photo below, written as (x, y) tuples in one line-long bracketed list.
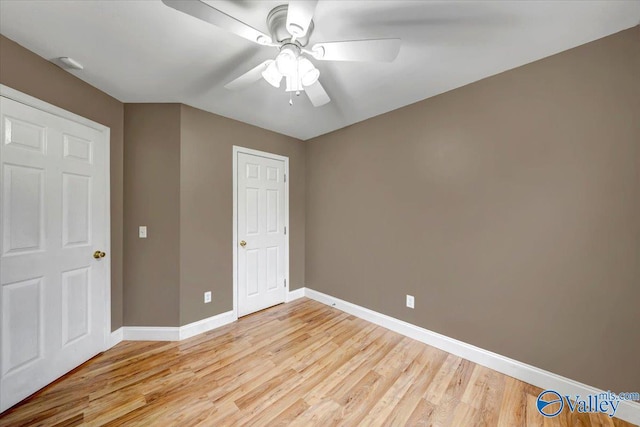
[(290, 27)]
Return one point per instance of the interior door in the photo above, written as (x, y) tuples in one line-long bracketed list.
[(53, 220), (261, 232)]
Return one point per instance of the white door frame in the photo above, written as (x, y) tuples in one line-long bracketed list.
[(236, 151), (29, 100)]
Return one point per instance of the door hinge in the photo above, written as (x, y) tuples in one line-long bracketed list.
[(285, 230), (285, 177), (285, 283)]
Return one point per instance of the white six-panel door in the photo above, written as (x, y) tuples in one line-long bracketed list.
[(261, 238), (53, 218)]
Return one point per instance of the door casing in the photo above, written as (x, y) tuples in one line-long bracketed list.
[(236, 150)]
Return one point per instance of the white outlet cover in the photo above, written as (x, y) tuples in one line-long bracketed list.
[(411, 302), (142, 232), (207, 297)]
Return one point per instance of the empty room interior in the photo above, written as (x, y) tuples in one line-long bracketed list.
[(319, 212)]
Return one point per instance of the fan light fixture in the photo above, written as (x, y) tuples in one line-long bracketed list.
[(307, 73), (298, 71), (272, 75), (286, 61)]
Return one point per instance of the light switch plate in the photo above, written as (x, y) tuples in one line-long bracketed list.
[(142, 232), (207, 297)]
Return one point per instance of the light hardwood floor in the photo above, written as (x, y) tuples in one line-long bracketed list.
[(300, 364)]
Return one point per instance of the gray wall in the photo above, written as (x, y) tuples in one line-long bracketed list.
[(206, 207), (510, 208), (178, 182), (152, 198), (29, 73)]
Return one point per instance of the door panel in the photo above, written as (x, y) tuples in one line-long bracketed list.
[(22, 324), (77, 148), (24, 135), (252, 266), (23, 209), (272, 211), (54, 202), (261, 224), (252, 211), (76, 286), (273, 260), (76, 208)]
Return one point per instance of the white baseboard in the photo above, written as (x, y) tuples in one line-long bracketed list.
[(115, 337), (175, 333), (295, 294), (151, 333), (628, 410), (204, 325)]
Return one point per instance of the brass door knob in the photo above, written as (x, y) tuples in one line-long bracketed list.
[(99, 254), (243, 243)]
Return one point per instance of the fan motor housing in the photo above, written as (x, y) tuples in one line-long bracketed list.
[(277, 24)]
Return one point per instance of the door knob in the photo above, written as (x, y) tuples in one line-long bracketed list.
[(99, 254), (243, 243)]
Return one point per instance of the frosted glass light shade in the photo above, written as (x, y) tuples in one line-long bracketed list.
[(272, 75), (307, 72), (287, 61)]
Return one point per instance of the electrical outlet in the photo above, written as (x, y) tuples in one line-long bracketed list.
[(142, 232), (411, 302), (207, 297)]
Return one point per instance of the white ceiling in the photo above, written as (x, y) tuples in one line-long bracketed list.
[(144, 51)]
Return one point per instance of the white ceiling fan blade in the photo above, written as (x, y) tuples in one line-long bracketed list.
[(299, 16), (248, 78), (209, 14), (317, 95), (381, 50)]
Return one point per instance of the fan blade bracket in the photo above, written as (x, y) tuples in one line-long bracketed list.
[(264, 40), (371, 50), (317, 52)]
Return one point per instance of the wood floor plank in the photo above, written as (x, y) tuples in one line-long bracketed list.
[(367, 361), (325, 361), (598, 421), (443, 378), (285, 417), (478, 386), (405, 407), (371, 388), (422, 415), (513, 407), (325, 413), (533, 418), (349, 362), (299, 364), (384, 406), (465, 415), (450, 400), (491, 400)]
